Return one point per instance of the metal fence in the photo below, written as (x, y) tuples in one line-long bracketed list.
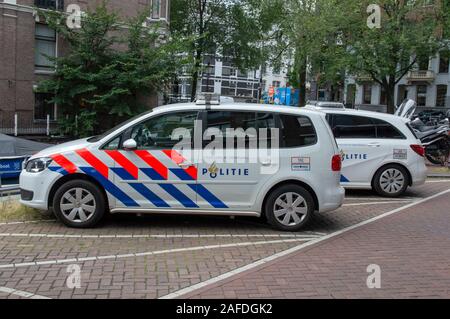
[(21, 124)]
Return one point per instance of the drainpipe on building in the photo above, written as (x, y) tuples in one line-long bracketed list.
[(15, 124)]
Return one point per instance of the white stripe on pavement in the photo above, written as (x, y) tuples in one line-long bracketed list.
[(439, 181), (382, 198), (149, 253), (163, 236), (28, 222), (377, 203), (21, 293), (293, 249)]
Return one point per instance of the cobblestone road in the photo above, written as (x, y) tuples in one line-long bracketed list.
[(156, 256)]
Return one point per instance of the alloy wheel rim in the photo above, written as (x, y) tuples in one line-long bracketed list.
[(392, 181), (78, 205), (290, 209)]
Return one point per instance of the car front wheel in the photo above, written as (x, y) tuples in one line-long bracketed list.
[(79, 204), (289, 207)]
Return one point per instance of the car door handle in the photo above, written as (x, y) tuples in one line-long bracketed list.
[(266, 163), (185, 165), (374, 144)]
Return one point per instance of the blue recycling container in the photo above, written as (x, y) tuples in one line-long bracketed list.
[(10, 167)]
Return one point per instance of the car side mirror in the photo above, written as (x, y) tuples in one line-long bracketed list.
[(130, 145)]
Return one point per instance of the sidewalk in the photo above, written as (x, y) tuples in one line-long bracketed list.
[(438, 171), (411, 247)]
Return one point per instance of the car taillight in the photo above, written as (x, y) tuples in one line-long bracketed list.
[(336, 163), (419, 149)]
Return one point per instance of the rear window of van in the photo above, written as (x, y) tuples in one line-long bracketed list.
[(297, 131)]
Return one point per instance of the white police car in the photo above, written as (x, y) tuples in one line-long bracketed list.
[(379, 151), (139, 167)]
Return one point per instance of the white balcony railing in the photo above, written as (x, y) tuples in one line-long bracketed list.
[(421, 75), (364, 78)]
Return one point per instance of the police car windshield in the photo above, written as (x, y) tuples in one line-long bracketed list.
[(97, 138)]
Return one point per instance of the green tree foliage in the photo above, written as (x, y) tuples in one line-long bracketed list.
[(330, 38), (229, 28), (112, 66), (310, 33), (410, 32)]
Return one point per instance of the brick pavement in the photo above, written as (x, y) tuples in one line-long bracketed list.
[(158, 275), (411, 247)]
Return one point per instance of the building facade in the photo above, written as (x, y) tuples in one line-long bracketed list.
[(274, 78), (219, 76), (25, 40), (428, 84)]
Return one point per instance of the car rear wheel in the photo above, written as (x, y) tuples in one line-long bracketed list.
[(79, 204), (289, 207), (391, 181)]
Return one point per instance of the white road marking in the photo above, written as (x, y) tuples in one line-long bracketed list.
[(150, 253), (21, 293), (383, 198), (294, 249), (377, 203), (439, 181), (28, 222), (163, 236)]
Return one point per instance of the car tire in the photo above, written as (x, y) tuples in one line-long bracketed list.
[(289, 207), (391, 181), (79, 204)]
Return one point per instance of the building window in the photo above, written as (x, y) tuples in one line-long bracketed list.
[(276, 84), (50, 4), (421, 95), (423, 63), (367, 93), (208, 69), (321, 95), (444, 61), (242, 74), (45, 41), (277, 70), (441, 94), (42, 106), (156, 9)]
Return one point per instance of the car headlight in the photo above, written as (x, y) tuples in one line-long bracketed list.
[(38, 165)]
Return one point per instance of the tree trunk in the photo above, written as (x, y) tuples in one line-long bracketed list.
[(198, 56), (390, 95), (302, 83)]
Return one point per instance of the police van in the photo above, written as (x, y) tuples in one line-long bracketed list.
[(165, 161), (379, 151)]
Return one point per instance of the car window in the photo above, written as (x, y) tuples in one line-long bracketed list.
[(386, 130), (351, 126), (265, 121), (113, 144), (97, 138), (297, 131), (158, 132), (225, 120)]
